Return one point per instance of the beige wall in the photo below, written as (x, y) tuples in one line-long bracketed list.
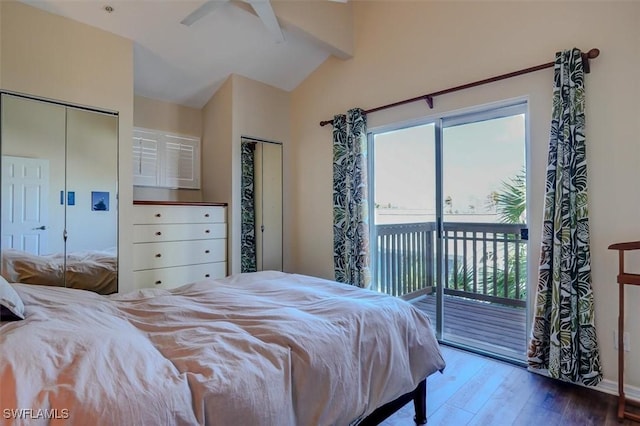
[(217, 140), (217, 137), (167, 116), (405, 49), (242, 107), (261, 112), (53, 57), (173, 118)]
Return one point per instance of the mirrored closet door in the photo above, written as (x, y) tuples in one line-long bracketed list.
[(59, 216), (261, 210)]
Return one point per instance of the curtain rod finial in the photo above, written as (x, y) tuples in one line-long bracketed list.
[(593, 53)]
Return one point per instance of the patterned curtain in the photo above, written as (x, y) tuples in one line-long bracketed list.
[(350, 204), (564, 336), (248, 259)]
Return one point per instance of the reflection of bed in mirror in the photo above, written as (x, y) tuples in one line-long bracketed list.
[(86, 270), (59, 194)]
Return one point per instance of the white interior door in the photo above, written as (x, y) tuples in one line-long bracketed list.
[(271, 207), (25, 189)]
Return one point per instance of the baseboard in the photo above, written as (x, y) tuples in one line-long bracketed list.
[(611, 387), (606, 386)]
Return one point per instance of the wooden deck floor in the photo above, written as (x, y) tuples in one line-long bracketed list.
[(482, 324)]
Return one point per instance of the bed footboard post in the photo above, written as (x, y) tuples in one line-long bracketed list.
[(420, 403)]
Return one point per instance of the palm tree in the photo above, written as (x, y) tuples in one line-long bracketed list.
[(511, 200), (511, 204)]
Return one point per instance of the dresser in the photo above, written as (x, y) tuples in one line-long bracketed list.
[(178, 243)]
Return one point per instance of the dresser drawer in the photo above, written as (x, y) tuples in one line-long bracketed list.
[(178, 253), (178, 231), (148, 214), (174, 277)]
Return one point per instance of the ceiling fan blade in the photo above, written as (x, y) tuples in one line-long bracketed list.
[(206, 8), (265, 12)]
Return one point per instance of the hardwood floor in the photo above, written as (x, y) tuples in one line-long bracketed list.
[(474, 390)]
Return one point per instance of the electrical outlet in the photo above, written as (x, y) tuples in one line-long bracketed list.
[(626, 341)]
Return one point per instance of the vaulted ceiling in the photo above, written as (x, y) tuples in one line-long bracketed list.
[(187, 64)]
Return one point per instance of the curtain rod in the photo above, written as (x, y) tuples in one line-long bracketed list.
[(591, 54)]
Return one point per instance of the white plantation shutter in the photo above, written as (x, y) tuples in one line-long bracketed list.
[(149, 159), (145, 158), (181, 162), (172, 168), (165, 160)]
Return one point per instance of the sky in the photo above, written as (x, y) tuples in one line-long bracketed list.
[(477, 157)]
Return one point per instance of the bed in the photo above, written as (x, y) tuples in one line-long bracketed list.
[(95, 270), (265, 348)]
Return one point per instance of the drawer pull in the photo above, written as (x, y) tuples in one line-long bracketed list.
[(158, 215), (206, 231), (206, 215), (207, 251), (207, 275), (158, 254), (158, 233), (158, 282)]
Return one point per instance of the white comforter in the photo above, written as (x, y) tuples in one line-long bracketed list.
[(254, 349)]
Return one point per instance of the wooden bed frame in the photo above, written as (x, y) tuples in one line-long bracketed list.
[(419, 397)]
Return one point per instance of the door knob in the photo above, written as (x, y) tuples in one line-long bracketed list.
[(39, 228)]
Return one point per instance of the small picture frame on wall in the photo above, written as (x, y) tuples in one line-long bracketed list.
[(99, 201)]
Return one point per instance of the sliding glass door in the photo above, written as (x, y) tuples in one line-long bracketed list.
[(484, 222), (449, 216)]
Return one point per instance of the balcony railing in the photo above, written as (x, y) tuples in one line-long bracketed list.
[(483, 261), (405, 258)]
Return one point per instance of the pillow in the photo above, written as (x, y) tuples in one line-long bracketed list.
[(11, 306)]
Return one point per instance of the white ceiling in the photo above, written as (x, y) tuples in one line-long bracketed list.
[(186, 65)]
